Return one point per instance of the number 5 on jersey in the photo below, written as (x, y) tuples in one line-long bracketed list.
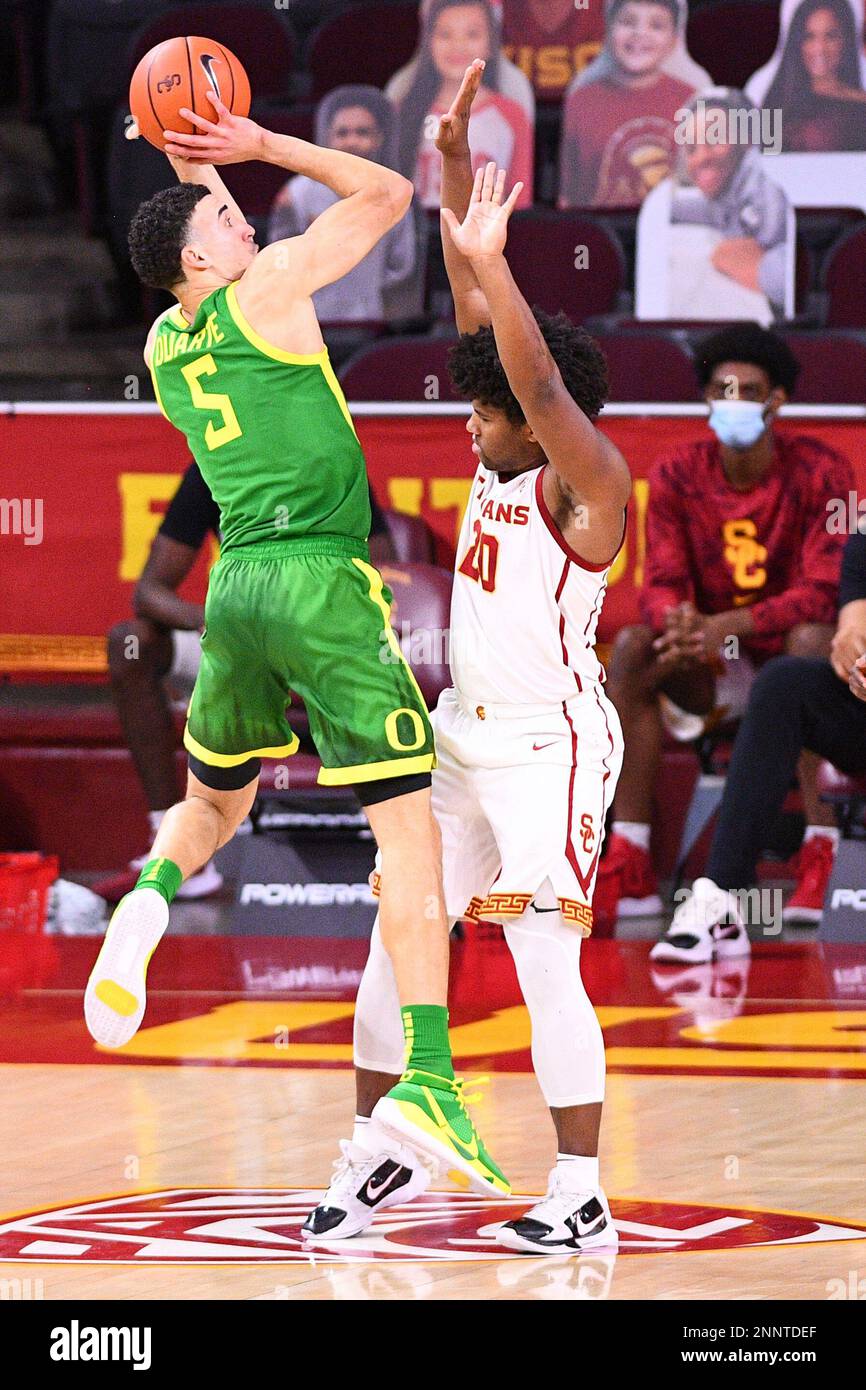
[(213, 401), (479, 562)]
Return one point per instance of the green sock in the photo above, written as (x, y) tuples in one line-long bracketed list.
[(161, 874), (427, 1046)]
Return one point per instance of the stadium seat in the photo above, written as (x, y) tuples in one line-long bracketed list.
[(832, 367), (652, 366), (804, 275), (412, 538), (25, 23), (687, 329), (420, 616), (343, 50), (543, 247), (253, 31), (733, 39), (86, 42), (844, 281), (399, 369)]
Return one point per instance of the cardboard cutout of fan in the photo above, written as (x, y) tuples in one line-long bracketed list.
[(180, 72)]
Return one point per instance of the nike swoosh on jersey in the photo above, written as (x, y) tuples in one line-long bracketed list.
[(537, 747)]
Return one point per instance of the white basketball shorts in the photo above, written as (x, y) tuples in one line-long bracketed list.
[(521, 793)]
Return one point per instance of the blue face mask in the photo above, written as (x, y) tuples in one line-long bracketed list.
[(738, 424)]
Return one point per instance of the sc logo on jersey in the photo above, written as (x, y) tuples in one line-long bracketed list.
[(587, 832)]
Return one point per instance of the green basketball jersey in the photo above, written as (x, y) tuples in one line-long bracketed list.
[(270, 430)]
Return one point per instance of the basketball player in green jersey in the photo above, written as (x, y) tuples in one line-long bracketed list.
[(239, 366)]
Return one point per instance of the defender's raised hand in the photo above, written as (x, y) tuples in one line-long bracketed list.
[(484, 230), (453, 136), (228, 140)]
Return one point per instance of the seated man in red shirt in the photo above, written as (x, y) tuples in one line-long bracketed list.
[(742, 564)]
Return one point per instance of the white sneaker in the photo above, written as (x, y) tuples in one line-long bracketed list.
[(563, 1222), (115, 998), (706, 926), (364, 1183)]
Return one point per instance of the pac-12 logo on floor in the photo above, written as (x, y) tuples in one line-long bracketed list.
[(259, 1225)]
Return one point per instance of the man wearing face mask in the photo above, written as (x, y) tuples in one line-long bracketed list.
[(741, 567)]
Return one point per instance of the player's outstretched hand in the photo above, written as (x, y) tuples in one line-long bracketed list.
[(484, 230), (453, 135), (228, 140)]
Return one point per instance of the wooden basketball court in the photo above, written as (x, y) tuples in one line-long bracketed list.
[(732, 1145)]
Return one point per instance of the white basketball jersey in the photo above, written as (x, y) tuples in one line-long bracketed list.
[(525, 607)]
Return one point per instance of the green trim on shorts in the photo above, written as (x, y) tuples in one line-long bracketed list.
[(347, 546), (235, 759)]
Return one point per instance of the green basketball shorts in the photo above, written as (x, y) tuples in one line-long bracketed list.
[(311, 616)]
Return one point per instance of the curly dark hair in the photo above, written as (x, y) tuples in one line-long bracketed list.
[(157, 234), (748, 342), (477, 374)]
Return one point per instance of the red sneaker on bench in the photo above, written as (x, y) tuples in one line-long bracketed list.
[(813, 865), (626, 884)]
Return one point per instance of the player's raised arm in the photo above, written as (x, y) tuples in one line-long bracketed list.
[(470, 305), (373, 200), (189, 170), (207, 176), (591, 468)]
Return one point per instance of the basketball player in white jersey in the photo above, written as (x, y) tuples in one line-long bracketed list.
[(529, 747)]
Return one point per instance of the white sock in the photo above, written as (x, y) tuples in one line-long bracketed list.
[(360, 1131), (155, 818), (633, 831), (577, 1172), (831, 830)]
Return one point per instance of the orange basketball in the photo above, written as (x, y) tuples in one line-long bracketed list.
[(180, 72)]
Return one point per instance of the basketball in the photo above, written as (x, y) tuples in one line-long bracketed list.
[(180, 72)]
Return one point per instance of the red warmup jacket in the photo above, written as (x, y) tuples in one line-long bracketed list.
[(769, 547)]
